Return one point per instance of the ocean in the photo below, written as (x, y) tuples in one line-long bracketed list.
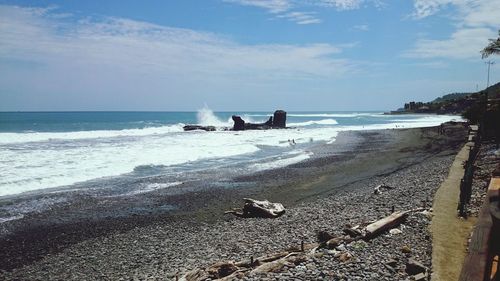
[(130, 153)]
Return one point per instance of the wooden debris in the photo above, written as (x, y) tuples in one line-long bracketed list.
[(352, 232), (324, 236), (231, 270), (258, 209), (378, 188), (384, 224), (298, 254)]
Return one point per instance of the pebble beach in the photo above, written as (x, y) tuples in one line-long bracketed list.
[(326, 196)]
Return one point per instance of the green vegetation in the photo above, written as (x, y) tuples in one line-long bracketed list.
[(451, 97), (492, 48)]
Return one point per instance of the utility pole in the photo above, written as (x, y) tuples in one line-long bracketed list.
[(489, 63)]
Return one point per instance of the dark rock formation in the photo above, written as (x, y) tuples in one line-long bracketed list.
[(269, 122), (279, 120), (239, 124), (198, 127)]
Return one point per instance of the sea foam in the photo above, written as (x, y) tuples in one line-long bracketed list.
[(40, 160)]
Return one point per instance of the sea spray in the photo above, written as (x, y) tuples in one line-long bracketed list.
[(206, 117)]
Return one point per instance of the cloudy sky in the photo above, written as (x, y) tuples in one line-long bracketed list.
[(241, 54)]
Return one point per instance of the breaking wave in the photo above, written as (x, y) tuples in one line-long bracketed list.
[(318, 122)]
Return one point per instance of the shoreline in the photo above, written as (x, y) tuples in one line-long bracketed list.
[(343, 173)]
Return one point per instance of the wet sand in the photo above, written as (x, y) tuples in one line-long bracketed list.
[(160, 233)]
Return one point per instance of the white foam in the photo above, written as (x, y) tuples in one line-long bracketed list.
[(314, 122), (30, 166), (335, 114), (420, 122), (6, 219), (7, 138), (152, 187), (326, 115), (280, 162), (206, 117)]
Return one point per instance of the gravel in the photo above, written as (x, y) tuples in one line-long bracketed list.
[(162, 251), (413, 162)]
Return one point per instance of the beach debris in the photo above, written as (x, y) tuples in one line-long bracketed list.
[(297, 255), (414, 267), (395, 231), (406, 249), (353, 232), (420, 277), (384, 224), (378, 188), (258, 209), (345, 256), (392, 263), (230, 270), (323, 236)]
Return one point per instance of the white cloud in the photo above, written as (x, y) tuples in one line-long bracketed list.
[(361, 27), (119, 55), (273, 6), (340, 4), (288, 8), (425, 8), (462, 44), (28, 34), (475, 20), (301, 17)]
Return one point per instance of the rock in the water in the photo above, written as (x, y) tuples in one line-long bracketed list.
[(414, 267), (239, 124), (269, 122), (198, 127), (279, 120)]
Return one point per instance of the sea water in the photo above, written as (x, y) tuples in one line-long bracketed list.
[(44, 151)]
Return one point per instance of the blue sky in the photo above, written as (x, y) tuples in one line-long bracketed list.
[(241, 54)]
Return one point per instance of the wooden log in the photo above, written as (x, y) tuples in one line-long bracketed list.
[(277, 265), (384, 224)]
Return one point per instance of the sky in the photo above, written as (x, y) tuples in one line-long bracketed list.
[(251, 55)]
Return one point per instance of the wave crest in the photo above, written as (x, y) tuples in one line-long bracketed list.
[(312, 122)]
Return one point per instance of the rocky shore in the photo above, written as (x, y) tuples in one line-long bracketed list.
[(327, 193)]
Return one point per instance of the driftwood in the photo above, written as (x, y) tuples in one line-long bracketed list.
[(391, 221), (384, 224), (230, 270), (352, 232), (258, 209), (378, 188)]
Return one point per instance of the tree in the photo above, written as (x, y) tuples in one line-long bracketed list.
[(492, 48)]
